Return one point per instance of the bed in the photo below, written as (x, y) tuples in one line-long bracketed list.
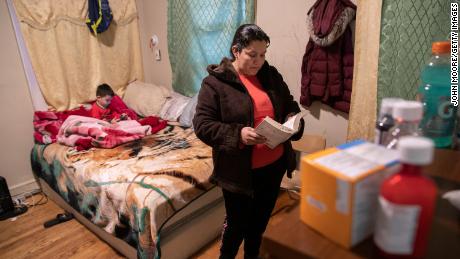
[(146, 198)]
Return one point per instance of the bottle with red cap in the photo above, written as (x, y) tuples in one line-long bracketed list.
[(407, 203), (438, 121)]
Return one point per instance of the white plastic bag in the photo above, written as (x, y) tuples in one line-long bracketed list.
[(453, 197)]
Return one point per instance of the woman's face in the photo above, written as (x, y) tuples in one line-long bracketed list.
[(250, 59)]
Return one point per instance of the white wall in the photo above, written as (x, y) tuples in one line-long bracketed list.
[(153, 20), (288, 39), (16, 112), (288, 35)]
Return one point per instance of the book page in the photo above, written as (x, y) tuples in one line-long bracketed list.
[(294, 122), (277, 133)]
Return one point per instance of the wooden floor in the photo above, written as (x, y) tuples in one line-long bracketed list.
[(26, 237)]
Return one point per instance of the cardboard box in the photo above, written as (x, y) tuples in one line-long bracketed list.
[(340, 188)]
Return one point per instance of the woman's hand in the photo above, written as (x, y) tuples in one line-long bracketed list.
[(250, 137)]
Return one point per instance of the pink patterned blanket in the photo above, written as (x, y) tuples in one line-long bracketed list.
[(48, 123), (86, 132)]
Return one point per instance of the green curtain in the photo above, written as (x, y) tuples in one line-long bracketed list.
[(200, 33), (407, 30)]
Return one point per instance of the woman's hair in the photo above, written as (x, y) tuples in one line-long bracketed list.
[(104, 90), (246, 34)]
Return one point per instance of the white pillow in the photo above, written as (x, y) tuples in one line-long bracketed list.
[(146, 99), (189, 112), (174, 106)]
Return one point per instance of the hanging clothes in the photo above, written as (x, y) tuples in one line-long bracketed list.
[(327, 65)]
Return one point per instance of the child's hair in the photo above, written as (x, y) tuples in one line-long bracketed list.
[(104, 90)]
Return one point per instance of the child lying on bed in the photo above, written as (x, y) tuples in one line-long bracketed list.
[(110, 107)]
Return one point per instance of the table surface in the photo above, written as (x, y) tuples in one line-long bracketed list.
[(288, 237)]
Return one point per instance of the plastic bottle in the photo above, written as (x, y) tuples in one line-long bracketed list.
[(439, 113), (385, 121), (406, 203), (407, 116)]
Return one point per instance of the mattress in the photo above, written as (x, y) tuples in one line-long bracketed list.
[(142, 192), (179, 239)]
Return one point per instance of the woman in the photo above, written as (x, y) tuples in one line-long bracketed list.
[(234, 98)]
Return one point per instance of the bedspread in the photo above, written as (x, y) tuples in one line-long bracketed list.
[(130, 190)]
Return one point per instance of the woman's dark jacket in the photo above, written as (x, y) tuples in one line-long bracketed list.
[(224, 108)]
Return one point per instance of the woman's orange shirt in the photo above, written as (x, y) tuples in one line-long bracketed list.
[(261, 155)]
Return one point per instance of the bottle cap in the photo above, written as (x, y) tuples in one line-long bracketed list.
[(440, 47), (386, 107), (408, 111), (415, 150)]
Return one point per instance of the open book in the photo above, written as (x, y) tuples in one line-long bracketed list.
[(277, 133)]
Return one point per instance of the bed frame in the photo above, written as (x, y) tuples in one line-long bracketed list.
[(184, 234)]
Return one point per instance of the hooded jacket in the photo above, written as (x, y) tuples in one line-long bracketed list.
[(327, 66), (224, 108)]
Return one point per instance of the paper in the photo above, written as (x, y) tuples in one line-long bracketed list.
[(277, 133)]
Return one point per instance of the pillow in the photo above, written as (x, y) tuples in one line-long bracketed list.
[(146, 99), (174, 106), (187, 115)]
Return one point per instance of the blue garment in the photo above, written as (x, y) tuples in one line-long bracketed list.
[(99, 16)]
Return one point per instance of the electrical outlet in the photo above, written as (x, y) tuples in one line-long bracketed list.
[(157, 55), (154, 40)]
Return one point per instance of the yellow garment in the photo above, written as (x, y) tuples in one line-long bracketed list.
[(70, 62)]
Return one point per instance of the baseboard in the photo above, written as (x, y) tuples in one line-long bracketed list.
[(23, 187)]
